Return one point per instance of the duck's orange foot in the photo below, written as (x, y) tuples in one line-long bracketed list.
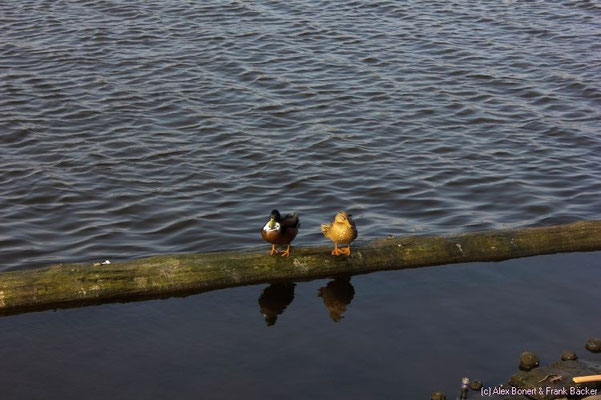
[(287, 252), (345, 250), (273, 250)]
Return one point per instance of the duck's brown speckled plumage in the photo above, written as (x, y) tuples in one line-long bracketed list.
[(341, 231)]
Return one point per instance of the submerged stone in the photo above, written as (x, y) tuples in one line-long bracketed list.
[(568, 355), (438, 396), (555, 380), (594, 345), (476, 385), (529, 360)]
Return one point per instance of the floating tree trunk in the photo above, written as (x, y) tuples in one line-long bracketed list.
[(71, 285)]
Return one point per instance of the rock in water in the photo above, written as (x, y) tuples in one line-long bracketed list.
[(541, 380), (528, 361), (594, 345), (476, 385), (568, 355), (438, 396)]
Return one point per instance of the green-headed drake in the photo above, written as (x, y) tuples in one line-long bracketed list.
[(280, 231)]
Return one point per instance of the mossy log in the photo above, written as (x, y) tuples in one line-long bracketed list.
[(69, 285)]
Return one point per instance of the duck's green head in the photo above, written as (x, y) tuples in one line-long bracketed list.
[(273, 218)]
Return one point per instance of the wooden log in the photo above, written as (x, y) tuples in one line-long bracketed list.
[(588, 378), (71, 285)]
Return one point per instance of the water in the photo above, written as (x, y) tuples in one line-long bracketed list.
[(404, 335), (137, 128)]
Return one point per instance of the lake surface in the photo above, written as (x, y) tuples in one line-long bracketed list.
[(138, 128), (404, 335), (132, 128)]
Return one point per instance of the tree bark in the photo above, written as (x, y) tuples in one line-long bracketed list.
[(72, 285)]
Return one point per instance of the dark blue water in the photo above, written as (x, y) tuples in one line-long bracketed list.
[(404, 335), (136, 128)]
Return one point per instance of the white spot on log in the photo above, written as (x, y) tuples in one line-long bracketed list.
[(2, 303), (299, 264), (460, 249)]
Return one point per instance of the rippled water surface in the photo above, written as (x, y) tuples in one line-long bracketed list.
[(131, 128), (401, 335), (135, 128)]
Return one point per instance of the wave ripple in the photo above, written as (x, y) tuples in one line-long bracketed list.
[(136, 128)]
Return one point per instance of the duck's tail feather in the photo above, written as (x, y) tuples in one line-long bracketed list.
[(291, 221)]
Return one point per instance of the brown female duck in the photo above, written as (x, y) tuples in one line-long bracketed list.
[(340, 231), (280, 231)]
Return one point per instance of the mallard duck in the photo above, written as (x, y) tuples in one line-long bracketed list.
[(280, 231), (341, 231)]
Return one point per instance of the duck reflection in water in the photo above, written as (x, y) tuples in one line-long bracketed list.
[(274, 300), (337, 295)]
